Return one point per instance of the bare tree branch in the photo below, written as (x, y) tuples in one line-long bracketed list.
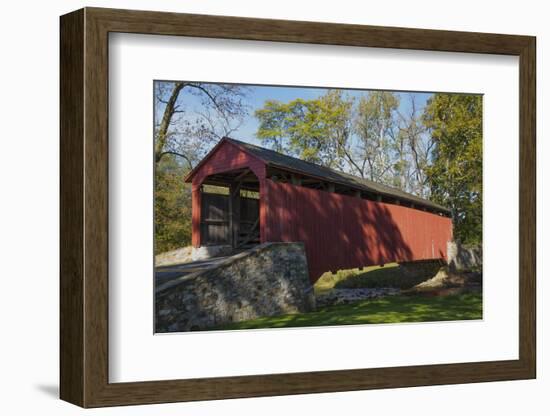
[(189, 163)]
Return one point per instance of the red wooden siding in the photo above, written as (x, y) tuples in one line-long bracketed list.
[(343, 232), (338, 231), (225, 158), (196, 215)]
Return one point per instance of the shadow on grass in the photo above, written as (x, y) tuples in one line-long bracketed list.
[(391, 309), (389, 275)]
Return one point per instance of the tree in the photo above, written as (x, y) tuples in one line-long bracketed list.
[(367, 136), (188, 132), (455, 174), (172, 206), (183, 134), (376, 130), (414, 146), (316, 130)]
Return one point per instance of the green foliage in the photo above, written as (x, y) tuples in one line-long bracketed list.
[(172, 206), (364, 136), (313, 130), (213, 189), (455, 174)]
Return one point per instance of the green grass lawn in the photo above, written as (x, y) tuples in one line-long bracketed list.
[(390, 309)]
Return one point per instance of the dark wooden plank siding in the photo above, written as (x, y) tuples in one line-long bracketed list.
[(249, 211), (215, 219), (342, 232)]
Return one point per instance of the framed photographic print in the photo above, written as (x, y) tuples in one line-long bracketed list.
[(255, 207)]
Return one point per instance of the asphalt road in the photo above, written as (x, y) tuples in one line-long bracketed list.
[(164, 274)]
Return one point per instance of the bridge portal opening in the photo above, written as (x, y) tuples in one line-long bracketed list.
[(230, 209)]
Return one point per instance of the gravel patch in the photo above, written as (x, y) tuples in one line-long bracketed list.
[(345, 296)]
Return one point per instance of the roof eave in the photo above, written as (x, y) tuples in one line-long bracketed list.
[(427, 204)]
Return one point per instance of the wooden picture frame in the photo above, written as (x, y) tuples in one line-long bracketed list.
[(84, 207)]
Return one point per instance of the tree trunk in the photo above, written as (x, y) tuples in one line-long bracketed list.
[(166, 119)]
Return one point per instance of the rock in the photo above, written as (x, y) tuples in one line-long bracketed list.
[(207, 252), (345, 296), (179, 255), (271, 279), (447, 278)]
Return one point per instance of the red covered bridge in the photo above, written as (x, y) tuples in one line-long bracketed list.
[(343, 220)]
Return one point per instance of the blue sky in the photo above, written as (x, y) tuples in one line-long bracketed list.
[(259, 94)]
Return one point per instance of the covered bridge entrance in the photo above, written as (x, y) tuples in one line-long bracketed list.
[(230, 210), (344, 221)]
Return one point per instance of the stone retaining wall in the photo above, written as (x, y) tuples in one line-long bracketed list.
[(271, 279), (464, 258)]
